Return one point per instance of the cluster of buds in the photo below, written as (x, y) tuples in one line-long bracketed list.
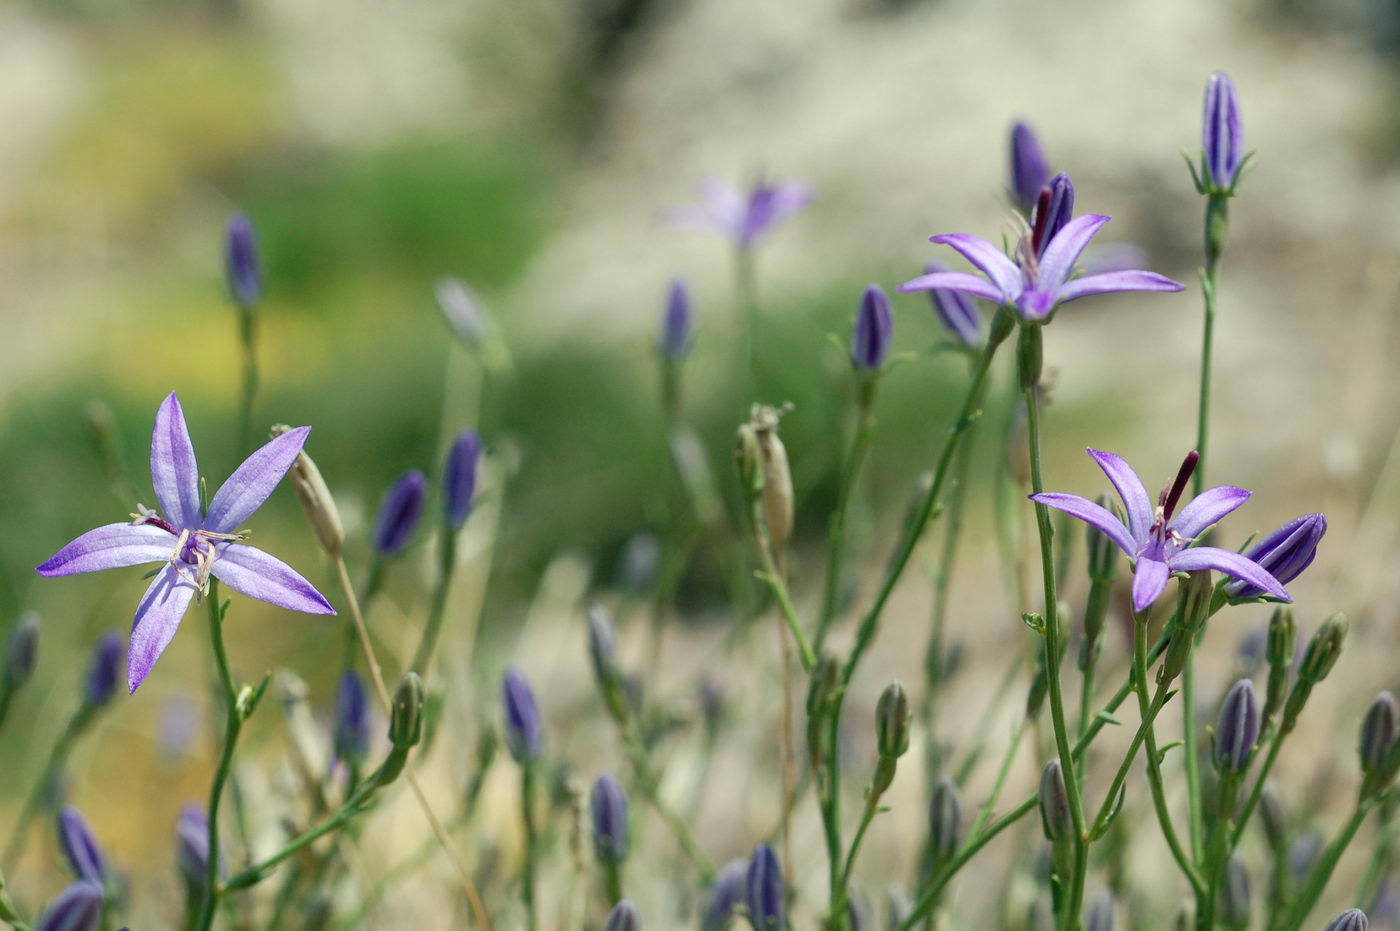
[(766, 480)]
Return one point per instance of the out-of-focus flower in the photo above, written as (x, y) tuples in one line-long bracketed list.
[(609, 809), (193, 545), (1353, 919), (21, 650), (873, 330), (1222, 133), (764, 890), (1029, 170), (955, 310), (241, 262), (192, 848), (742, 217), (523, 728), (623, 917), (399, 513), (77, 908), (461, 308), (1100, 916), (1157, 542), (352, 721), (725, 896), (1284, 554), (79, 846), (459, 477), (1237, 729), (1236, 895), (103, 670), (944, 819), (677, 327)]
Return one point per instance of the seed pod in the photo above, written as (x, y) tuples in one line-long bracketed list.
[(623, 917), (21, 650), (79, 847), (406, 715), (1100, 916), (1353, 919), (873, 331), (764, 890), (523, 728), (103, 669), (609, 810), (777, 479), (1055, 817), (1284, 554), (459, 476), (892, 718), (1237, 729), (241, 264), (944, 820), (77, 908), (1236, 896), (729, 890), (315, 499)]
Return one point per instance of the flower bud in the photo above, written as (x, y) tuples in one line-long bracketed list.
[(609, 809), (623, 917), (944, 820), (462, 310), (641, 558), (1237, 729), (892, 718), (459, 478), (21, 650), (1284, 554), (523, 728), (1302, 856), (399, 513), (77, 908), (1222, 135), (711, 702), (1055, 817), (352, 721), (955, 311), (676, 326), (406, 715), (763, 886), (1273, 818), (1028, 168), (1280, 648), (80, 847), (1100, 916), (241, 262), (874, 328), (725, 895), (1353, 919), (898, 908), (602, 652), (103, 670), (315, 500), (1378, 731), (1323, 649), (1053, 209), (1183, 634), (192, 848), (1236, 896)]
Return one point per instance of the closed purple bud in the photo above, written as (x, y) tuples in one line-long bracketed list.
[(1353, 919), (462, 310), (522, 718), (241, 262), (1028, 167), (955, 311), (22, 649), (459, 477), (77, 908), (1303, 854), (352, 723), (1100, 916), (1238, 728), (725, 896), (192, 846), (1055, 817), (103, 670), (944, 820), (1053, 209), (763, 888), (1237, 895), (623, 917), (874, 328), (1378, 734), (80, 847), (1222, 135), (609, 809), (1284, 554), (676, 326), (399, 513)]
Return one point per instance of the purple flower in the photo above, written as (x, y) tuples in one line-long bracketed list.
[(1029, 170), (77, 908), (352, 721), (80, 847), (1054, 207), (1222, 135), (764, 890), (725, 896), (609, 809), (241, 262), (1237, 728), (1285, 553), (191, 544), (741, 217), (955, 310), (103, 670), (676, 327), (192, 847), (523, 729), (459, 477), (399, 513), (1158, 542), (874, 328), (1040, 279)]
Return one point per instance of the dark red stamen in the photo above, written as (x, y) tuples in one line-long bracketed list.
[(1172, 495), (1039, 217), (156, 520)]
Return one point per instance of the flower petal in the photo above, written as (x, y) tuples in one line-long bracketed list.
[(1206, 509), (158, 616), (111, 546), (1149, 579), (1092, 514), (1112, 282), (1129, 487), (249, 486), (174, 472), (259, 575), (1063, 251), (991, 260), (1230, 563), (954, 281)]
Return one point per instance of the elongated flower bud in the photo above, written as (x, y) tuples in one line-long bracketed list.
[(103, 670), (1284, 554), (1053, 209), (241, 262), (874, 328), (1055, 816), (1028, 168), (676, 326), (406, 714), (1280, 649), (892, 717), (523, 728), (821, 690), (725, 895), (21, 650), (316, 500), (1100, 915), (77, 908), (1236, 896), (79, 846), (1323, 649), (623, 917), (1378, 732), (763, 887), (956, 311), (944, 820), (399, 513), (462, 310), (352, 721), (1302, 856), (192, 849), (609, 809), (459, 478), (1353, 919), (1272, 818), (1222, 133), (1237, 729)]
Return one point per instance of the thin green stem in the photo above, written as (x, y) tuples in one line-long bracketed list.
[(247, 333), (850, 470), (984, 814), (746, 297), (775, 581), (1191, 751), (651, 788), (233, 723), (1258, 789), (1218, 853), (447, 563), (527, 812), (872, 808), (58, 756)]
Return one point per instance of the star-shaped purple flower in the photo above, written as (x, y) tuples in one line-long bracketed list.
[(1042, 275), (742, 217), (193, 545), (1157, 542)]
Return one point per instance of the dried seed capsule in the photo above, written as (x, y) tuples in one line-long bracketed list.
[(315, 499)]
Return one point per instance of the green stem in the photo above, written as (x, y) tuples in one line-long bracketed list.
[(1258, 790), (774, 578), (985, 813), (746, 296), (447, 563), (872, 808), (233, 723), (1218, 855), (58, 756), (850, 470), (651, 788), (247, 332), (527, 811), (1191, 751), (612, 877)]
